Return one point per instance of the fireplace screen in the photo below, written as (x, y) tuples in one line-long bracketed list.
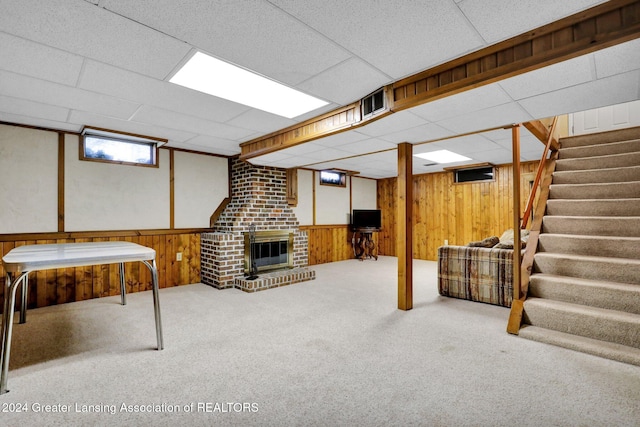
[(270, 250)]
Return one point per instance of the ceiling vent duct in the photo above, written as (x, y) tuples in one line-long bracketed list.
[(373, 103)]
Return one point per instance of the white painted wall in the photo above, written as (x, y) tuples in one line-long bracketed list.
[(304, 209), (364, 194), (101, 196), (332, 203), (107, 196), (200, 184), (606, 118), (28, 180)]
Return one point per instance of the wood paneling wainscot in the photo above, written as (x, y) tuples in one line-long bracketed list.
[(329, 243), (459, 213), (51, 287)]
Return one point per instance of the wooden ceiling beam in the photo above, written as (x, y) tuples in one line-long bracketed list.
[(602, 26), (599, 27)]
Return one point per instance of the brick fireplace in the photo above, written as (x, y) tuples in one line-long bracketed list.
[(258, 203)]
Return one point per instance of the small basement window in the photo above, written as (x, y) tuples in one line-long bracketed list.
[(335, 178), (107, 146), (475, 174)]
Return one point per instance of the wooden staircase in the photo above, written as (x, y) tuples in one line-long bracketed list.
[(584, 290)]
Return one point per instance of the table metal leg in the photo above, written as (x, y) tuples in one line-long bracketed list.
[(7, 326), (123, 290), (23, 303), (156, 301)]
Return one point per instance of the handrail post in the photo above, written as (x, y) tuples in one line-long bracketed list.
[(515, 142)]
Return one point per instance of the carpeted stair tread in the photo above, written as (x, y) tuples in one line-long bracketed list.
[(606, 190), (602, 246), (594, 207), (622, 174), (601, 137), (599, 162), (605, 349), (592, 225), (622, 270), (594, 293), (591, 322), (584, 290), (600, 149)]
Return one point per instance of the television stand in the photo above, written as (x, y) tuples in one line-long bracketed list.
[(363, 244)]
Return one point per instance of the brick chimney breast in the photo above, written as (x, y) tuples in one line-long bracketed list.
[(258, 198)]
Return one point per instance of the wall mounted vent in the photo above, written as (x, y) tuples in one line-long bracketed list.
[(373, 103)]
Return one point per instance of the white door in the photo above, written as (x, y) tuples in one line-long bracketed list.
[(606, 118)]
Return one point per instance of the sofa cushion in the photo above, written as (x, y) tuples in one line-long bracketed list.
[(489, 242)]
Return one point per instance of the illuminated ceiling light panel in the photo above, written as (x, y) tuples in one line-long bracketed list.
[(218, 78), (442, 156)]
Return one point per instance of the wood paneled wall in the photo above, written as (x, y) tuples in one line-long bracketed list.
[(50, 287), (459, 213), (330, 243)]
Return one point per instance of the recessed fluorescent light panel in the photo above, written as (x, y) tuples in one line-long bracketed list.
[(218, 78), (442, 156)]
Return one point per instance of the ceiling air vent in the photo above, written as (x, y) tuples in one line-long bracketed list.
[(373, 103)]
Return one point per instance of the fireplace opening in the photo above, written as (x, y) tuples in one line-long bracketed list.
[(270, 250)]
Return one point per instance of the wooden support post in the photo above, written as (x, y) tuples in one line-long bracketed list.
[(515, 142), (61, 159), (404, 244)]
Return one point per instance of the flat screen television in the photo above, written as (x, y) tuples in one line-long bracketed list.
[(366, 218)]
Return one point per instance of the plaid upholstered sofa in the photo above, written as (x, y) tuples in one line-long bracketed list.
[(476, 274)]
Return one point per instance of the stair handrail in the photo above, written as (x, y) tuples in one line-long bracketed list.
[(521, 287), (536, 182)]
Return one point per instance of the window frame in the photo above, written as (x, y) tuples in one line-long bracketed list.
[(343, 178), (152, 142), (457, 171)]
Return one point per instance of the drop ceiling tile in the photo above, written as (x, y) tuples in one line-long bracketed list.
[(462, 145), (158, 117), (548, 79), (212, 144), (200, 148), (260, 121), (463, 103), (488, 16), (392, 123), (326, 154), (84, 118), (270, 158), (272, 42), (50, 93), (85, 29), (607, 91), (124, 84), (23, 107), (292, 162), (361, 26), (346, 82), (340, 139), (44, 123), (497, 157), (418, 134), (305, 149), (618, 59), (501, 115), (368, 146), (36, 60)]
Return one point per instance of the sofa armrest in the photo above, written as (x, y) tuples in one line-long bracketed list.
[(476, 274)]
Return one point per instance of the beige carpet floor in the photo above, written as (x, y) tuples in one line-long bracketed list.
[(330, 352)]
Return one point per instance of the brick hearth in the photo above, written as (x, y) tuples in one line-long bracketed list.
[(258, 198)]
